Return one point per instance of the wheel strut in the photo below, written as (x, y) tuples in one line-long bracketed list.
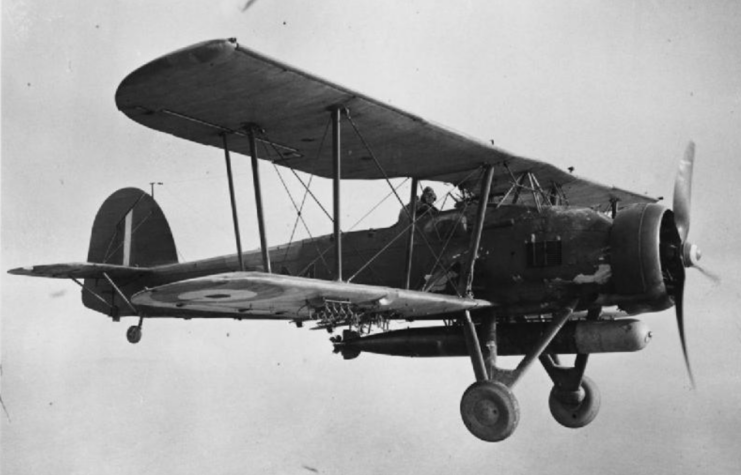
[(489, 409), (134, 333)]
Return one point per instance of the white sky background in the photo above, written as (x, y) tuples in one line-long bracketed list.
[(615, 89)]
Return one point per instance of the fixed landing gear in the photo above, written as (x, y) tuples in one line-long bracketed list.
[(575, 399), (575, 409), (490, 411), (134, 333)]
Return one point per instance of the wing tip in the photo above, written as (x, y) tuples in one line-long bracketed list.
[(205, 52), (28, 270)]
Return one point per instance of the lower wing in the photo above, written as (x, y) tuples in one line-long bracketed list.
[(261, 295)]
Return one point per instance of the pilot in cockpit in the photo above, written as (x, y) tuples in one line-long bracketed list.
[(425, 206)]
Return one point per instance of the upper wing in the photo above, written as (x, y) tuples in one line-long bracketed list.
[(261, 295), (216, 87)]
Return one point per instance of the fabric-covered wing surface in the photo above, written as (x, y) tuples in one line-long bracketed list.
[(216, 87), (261, 295)]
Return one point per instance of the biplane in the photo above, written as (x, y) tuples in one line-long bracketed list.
[(530, 261)]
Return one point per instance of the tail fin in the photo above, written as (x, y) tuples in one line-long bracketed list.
[(129, 230)]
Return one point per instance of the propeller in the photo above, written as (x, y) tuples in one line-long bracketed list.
[(689, 254)]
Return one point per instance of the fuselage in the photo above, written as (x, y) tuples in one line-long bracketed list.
[(531, 261)]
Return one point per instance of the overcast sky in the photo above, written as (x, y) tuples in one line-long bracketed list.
[(615, 89)]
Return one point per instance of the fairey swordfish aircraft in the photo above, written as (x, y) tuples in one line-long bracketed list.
[(531, 260)]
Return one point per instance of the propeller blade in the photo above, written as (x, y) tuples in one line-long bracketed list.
[(679, 306), (714, 278), (683, 192)]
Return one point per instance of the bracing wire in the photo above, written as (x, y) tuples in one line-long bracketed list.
[(385, 176)]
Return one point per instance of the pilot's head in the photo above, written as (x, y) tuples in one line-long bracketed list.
[(428, 195)]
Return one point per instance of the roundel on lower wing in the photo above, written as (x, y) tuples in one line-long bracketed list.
[(210, 295), (217, 291)]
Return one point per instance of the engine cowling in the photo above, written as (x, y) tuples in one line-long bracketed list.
[(643, 246)]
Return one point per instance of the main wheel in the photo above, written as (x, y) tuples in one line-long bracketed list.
[(490, 411), (575, 412), (134, 334)]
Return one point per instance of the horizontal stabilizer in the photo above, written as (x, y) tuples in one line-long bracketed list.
[(79, 270), (261, 295)]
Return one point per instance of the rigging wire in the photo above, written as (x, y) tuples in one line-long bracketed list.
[(293, 202), (316, 200), (295, 222), (385, 176), (395, 238), (311, 237), (379, 204), (446, 270), (306, 191)]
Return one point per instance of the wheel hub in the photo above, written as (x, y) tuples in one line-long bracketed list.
[(486, 412)]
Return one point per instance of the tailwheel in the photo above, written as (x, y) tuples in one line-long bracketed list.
[(134, 334), (490, 411), (575, 409)]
